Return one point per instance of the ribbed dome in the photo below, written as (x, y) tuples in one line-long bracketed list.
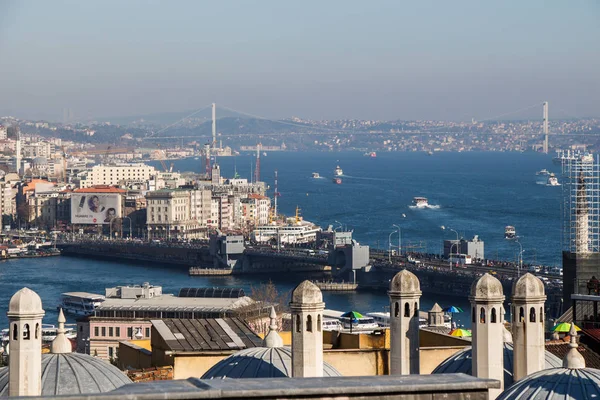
[(25, 301), (462, 362), (40, 161), (406, 282), (487, 288), (73, 373), (528, 286), (259, 362), (308, 293), (556, 383)]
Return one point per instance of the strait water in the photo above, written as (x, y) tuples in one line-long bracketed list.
[(475, 194)]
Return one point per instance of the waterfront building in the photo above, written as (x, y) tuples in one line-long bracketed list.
[(473, 248), (169, 215), (127, 311), (117, 174), (8, 195)]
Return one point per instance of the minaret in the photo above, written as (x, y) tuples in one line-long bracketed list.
[(273, 339), (573, 359), (214, 126), (404, 293), (582, 217), (25, 315), (18, 151), (307, 334), (435, 316), (61, 344), (528, 297), (487, 318), (545, 128)]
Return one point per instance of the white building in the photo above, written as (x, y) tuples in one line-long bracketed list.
[(117, 174), (201, 207)]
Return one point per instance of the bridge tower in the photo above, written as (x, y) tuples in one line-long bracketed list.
[(214, 126)]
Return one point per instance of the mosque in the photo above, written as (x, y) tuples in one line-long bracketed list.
[(492, 368)]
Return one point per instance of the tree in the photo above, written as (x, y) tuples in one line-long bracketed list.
[(265, 296)]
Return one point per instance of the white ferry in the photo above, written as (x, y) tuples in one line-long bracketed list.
[(552, 180), (420, 202), (338, 171), (543, 172), (296, 230), (359, 324), (316, 175), (80, 303), (509, 232)]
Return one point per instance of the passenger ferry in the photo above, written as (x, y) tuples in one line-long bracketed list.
[(543, 172), (338, 171), (552, 180), (509, 232), (316, 175), (80, 303), (359, 324), (420, 202), (296, 230)]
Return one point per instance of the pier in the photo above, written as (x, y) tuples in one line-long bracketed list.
[(336, 286)]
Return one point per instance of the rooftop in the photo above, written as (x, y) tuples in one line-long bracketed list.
[(168, 302), (100, 189), (185, 335)]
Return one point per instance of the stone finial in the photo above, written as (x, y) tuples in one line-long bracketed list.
[(61, 344), (273, 339), (573, 359)]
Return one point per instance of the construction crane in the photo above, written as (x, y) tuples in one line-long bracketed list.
[(162, 162), (64, 164)]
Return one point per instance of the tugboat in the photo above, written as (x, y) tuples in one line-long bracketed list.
[(509, 232), (337, 181), (338, 171), (552, 181)]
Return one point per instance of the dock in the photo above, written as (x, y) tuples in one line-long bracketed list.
[(336, 286), (197, 271)]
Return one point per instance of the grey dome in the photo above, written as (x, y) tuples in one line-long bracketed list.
[(73, 373), (556, 383), (307, 293), (405, 282), (487, 288), (528, 286), (462, 362), (259, 362), (40, 161)]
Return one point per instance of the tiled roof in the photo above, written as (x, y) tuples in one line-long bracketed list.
[(101, 189), (560, 348)]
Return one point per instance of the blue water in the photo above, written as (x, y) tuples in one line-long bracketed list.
[(477, 194)]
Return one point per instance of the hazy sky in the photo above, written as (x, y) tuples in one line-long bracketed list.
[(375, 59)]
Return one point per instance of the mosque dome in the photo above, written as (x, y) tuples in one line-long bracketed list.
[(39, 161), (73, 373), (462, 362), (25, 301), (487, 287), (528, 286), (308, 293), (556, 383), (405, 281), (259, 362)]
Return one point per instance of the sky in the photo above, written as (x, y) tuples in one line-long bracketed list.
[(419, 59)]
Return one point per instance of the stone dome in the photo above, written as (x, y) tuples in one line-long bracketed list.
[(24, 302), (406, 282), (308, 293), (487, 288), (39, 161), (462, 362), (259, 362), (556, 383), (528, 286), (73, 373)]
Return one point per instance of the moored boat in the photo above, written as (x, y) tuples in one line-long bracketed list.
[(543, 172), (80, 303), (316, 175)]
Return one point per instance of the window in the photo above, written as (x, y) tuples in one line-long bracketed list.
[(298, 324), (15, 332), (406, 310), (521, 315), (147, 332), (110, 331), (541, 314), (482, 316), (111, 352), (473, 315), (396, 309), (319, 322), (96, 331), (104, 331), (118, 332), (493, 316), (416, 309), (532, 314), (37, 331), (26, 332), (309, 323)]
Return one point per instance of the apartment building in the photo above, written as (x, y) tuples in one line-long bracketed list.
[(117, 174), (168, 215)]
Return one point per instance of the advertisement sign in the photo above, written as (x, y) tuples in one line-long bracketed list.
[(95, 208)]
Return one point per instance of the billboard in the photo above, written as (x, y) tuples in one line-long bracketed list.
[(95, 208)]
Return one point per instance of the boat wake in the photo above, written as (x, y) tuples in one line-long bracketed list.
[(429, 206), (365, 178)]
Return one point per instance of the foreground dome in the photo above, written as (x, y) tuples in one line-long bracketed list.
[(259, 362), (556, 383), (73, 373), (462, 362)]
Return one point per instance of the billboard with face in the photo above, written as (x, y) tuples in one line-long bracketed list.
[(95, 208)]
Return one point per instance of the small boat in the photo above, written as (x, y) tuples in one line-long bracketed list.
[(316, 175), (195, 158), (264, 153), (371, 154), (430, 153), (338, 171), (509, 232), (337, 181), (552, 180), (543, 172), (420, 202)]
